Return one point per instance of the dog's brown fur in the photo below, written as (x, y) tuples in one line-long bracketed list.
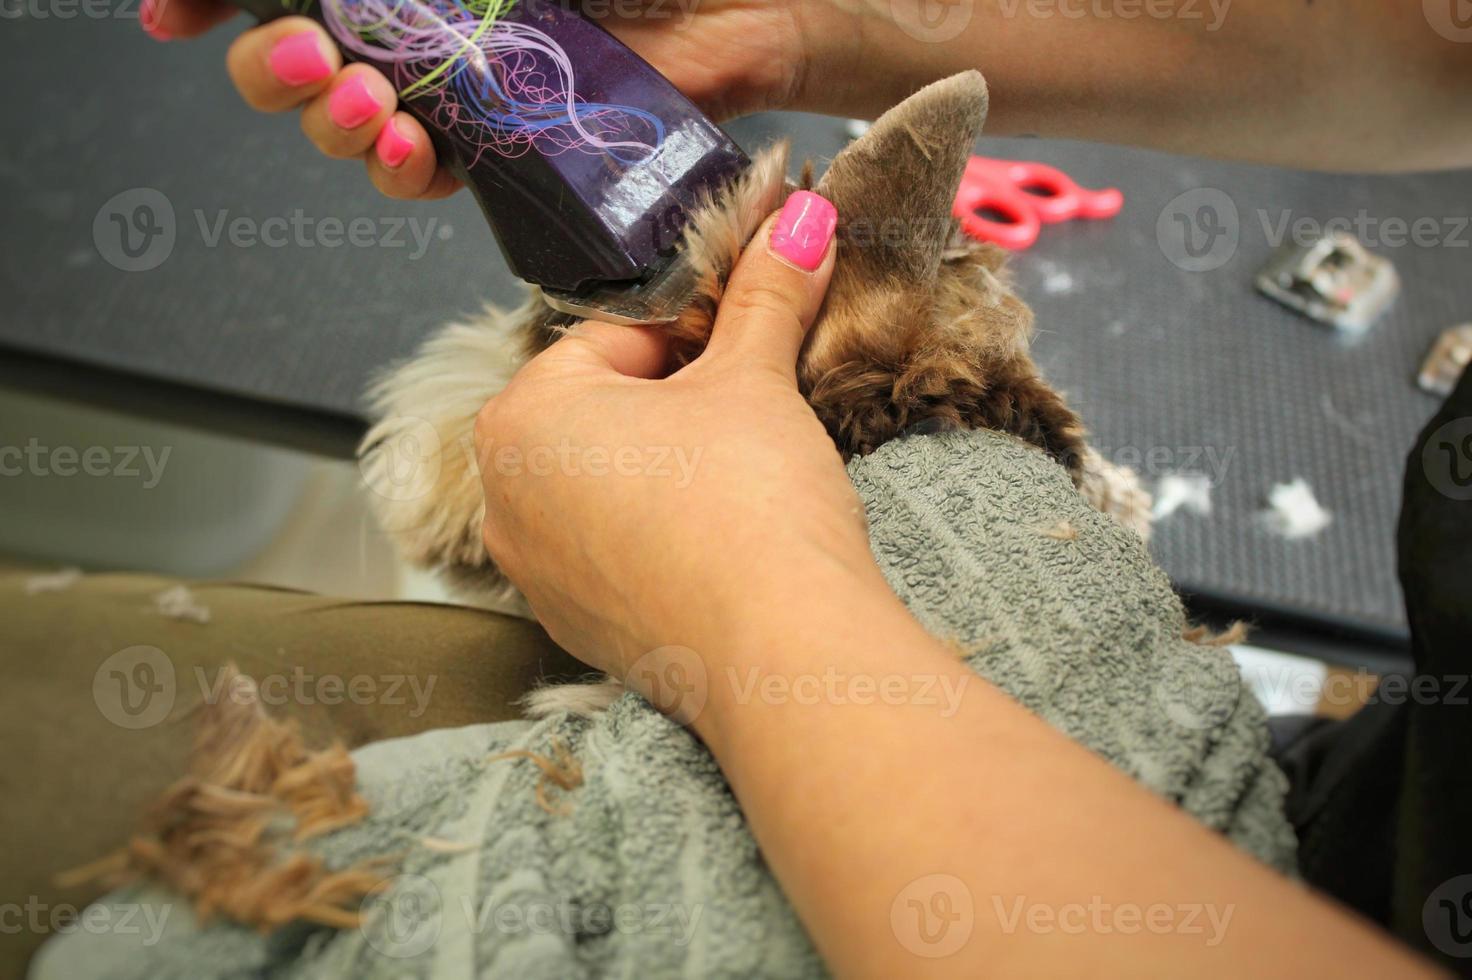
[(226, 836), (920, 326)]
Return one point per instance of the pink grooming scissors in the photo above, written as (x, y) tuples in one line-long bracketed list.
[(1026, 195)]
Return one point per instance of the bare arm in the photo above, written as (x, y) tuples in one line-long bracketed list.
[(899, 833), (758, 568), (1355, 85)]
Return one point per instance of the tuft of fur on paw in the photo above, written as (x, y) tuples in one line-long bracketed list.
[(579, 700), (419, 459), (1115, 490), (226, 835), (1207, 637)]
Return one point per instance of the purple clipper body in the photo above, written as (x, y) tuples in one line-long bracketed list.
[(584, 159)]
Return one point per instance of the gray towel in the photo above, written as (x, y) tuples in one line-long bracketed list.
[(988, 544), (651, 871)]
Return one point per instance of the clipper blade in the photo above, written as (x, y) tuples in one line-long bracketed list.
[(658, 298)]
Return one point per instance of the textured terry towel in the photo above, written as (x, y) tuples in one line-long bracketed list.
[(651, 871)]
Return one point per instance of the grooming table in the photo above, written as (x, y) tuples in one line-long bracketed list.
[(244, 301)]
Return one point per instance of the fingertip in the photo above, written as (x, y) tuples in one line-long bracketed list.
[(282, 64), (402, 162), (150, 18), (778, 285), (393, 146), (299, 59), (344, 120), (802, 233)]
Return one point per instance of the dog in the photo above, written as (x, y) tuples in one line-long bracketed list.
[(920, 331)]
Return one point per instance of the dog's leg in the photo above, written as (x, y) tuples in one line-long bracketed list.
[(419, 460)]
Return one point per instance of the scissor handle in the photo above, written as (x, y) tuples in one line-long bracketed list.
[(1027, 194), (985, 189), (1058, 197)]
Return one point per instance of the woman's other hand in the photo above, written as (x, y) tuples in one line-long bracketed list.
[(635, 510)]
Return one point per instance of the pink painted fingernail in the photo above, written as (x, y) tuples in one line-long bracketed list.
[(393, 147), (297, 59), (804, 229), (148, 20), (352, 104)]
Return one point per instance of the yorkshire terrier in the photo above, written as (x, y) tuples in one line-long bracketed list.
[(920, 331)]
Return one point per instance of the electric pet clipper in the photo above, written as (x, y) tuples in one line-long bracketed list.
[(583, 157)]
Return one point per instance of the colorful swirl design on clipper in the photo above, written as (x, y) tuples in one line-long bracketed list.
[(501, 85)]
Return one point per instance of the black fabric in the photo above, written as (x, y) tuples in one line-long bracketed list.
[(1344, 779), (1434, 830), (1382, 802)]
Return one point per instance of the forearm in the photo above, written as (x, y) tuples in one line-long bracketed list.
[(1363, 85), (895, 762)]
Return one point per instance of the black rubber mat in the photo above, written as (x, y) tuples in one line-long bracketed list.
[(1183, 370)]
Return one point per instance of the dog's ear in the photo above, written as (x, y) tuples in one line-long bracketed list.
[(893, 186), (919, 328)]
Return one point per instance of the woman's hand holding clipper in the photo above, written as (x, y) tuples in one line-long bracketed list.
[(346, 110), (734, 58)]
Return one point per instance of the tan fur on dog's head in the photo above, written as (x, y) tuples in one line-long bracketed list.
[(920, 330)]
